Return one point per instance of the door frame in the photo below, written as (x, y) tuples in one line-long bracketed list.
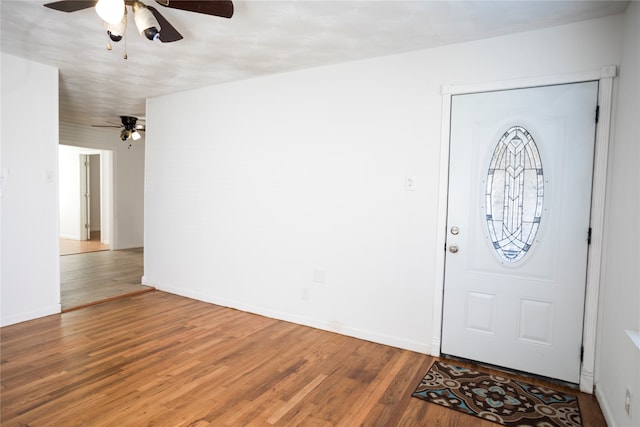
[(605, 77), (85, 197)]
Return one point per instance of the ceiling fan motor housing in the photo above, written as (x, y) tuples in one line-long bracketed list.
[(129, 122)]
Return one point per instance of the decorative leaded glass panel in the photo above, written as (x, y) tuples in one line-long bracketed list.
[(514, 194)]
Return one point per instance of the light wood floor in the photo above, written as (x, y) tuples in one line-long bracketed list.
[(90, 278), (69, 246), (157, 359)]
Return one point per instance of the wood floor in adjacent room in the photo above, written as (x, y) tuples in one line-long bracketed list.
[(90, 278), (71, 246), (157, 359)]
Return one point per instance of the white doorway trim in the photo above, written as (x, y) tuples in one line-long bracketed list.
[(106, 192), (605, 78), (107, 207), (85, 197)]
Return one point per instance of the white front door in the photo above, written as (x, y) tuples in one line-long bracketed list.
[(521, 164)]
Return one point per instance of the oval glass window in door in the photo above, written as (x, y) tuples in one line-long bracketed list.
[(514, 194)]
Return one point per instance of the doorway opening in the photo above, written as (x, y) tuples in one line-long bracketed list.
[(92, 271), (84, 199)]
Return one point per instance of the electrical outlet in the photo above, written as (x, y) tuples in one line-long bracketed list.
[(627, 402)]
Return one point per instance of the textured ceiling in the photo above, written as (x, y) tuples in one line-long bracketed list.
[(263, 37)]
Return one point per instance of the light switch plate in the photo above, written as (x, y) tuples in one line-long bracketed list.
[(410, 183)]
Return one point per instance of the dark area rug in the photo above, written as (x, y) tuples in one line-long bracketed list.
[(498, 399)]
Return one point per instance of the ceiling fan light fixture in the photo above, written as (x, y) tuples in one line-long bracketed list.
[(116, 31), (135, 135), (125, 134), (146, 23), (110, 11), (114, 37)]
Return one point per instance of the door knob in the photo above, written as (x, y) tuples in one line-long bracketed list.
[(453, 249)]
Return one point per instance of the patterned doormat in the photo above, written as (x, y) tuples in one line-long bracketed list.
[(498, 399)]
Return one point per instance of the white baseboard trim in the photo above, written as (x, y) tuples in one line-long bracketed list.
[(601, 397), (586, 381), (30, 315), (435, 347), (70, 236), (301, 320)]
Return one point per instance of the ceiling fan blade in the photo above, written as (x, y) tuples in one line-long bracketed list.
[(221, 8), (106, 126), (167, 32), (71, 5)]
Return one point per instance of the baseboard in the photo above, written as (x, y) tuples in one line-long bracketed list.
[(586, 381), (302, 320), (70, 236), (601, 397), (435, 347), (30, 315)]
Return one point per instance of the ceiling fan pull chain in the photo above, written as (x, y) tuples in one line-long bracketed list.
[(125, 48)]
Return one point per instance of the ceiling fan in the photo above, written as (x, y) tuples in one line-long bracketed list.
[(149, 21), (130, 128)]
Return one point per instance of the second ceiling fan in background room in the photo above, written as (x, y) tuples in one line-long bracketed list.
[(150, 23), (131, 128)]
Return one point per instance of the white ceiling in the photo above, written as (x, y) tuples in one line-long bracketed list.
[(263, 37)]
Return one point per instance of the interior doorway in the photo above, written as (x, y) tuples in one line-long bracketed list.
[(84, 200), (89, 195), (88, 278)]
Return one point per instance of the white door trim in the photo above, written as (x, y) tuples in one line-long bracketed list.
[(85, 189), (605, 77)]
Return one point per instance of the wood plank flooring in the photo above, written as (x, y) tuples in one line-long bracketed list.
[(100, 276), (70, 246), (157, 359)]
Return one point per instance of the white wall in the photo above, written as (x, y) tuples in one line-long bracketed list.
[(283, 182), (30, 272), (69, 190), (618, 362), (128, 180)]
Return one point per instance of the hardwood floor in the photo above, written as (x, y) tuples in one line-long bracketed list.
[(90, 278), (157, 359), (69, 246)]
